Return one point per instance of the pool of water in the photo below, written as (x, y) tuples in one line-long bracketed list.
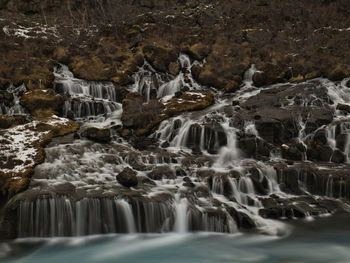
[(325, 240)]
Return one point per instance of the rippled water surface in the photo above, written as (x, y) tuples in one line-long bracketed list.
[(324, 240)]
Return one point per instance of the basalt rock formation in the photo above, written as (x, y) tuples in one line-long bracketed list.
[(155, 116)]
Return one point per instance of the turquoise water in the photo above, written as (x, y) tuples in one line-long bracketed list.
[(323, 241)]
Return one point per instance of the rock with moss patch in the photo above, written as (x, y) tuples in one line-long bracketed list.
[(37, 100), (198, 51), (102, 135), (160, 57)]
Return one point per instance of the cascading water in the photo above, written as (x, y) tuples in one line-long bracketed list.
[(152, 84), (13, 106), (198, 180), (86, 98)]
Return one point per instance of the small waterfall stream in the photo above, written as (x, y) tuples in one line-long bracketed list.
[(14, 107), (85, 98)]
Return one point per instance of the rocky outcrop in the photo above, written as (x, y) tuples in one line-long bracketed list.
[(268, 74), (9, 121), (137, 115), (40, 102), (29, 139), (198, 51), (143, 118), (160, 57)]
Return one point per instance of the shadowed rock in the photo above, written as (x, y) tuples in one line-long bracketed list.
[(127, 177)]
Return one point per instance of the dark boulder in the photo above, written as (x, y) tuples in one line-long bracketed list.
[(160, 57), (198, 51), (212, 138), (142, 143), (338, 157), (102, 135), (289, 180), (276, 125), (180, 172), (270, 73), (127, 177), (320, 137), (137, 115), (293, 151), (339, 73), (188, 182), (344, 108), (347, 84), (319, 152), (253, 146), (317, 117)]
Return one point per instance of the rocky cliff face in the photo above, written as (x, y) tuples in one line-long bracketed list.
[(216, 114)]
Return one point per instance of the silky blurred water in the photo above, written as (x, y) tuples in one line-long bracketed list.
[(326, 240)]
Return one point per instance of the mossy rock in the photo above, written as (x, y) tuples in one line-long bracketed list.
[(160, 56), (102, 135), (209, 77), (9, 121), (42, 100), (198, 51), (90, 68), (339, 73), (189, 101)]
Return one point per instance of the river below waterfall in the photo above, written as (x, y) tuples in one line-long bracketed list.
[(325, 240)]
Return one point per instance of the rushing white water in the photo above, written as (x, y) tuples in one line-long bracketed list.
[(152, 84), (198, 180), (181, 220), (86, 98)]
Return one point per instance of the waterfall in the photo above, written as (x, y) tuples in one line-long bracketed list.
[(85, 98), (194, 178), (128, 216), (181, 220), (60, 216), (229, 154), (15, 107), (151, 84)]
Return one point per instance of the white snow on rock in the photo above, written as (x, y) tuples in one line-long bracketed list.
[(20, 145)]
